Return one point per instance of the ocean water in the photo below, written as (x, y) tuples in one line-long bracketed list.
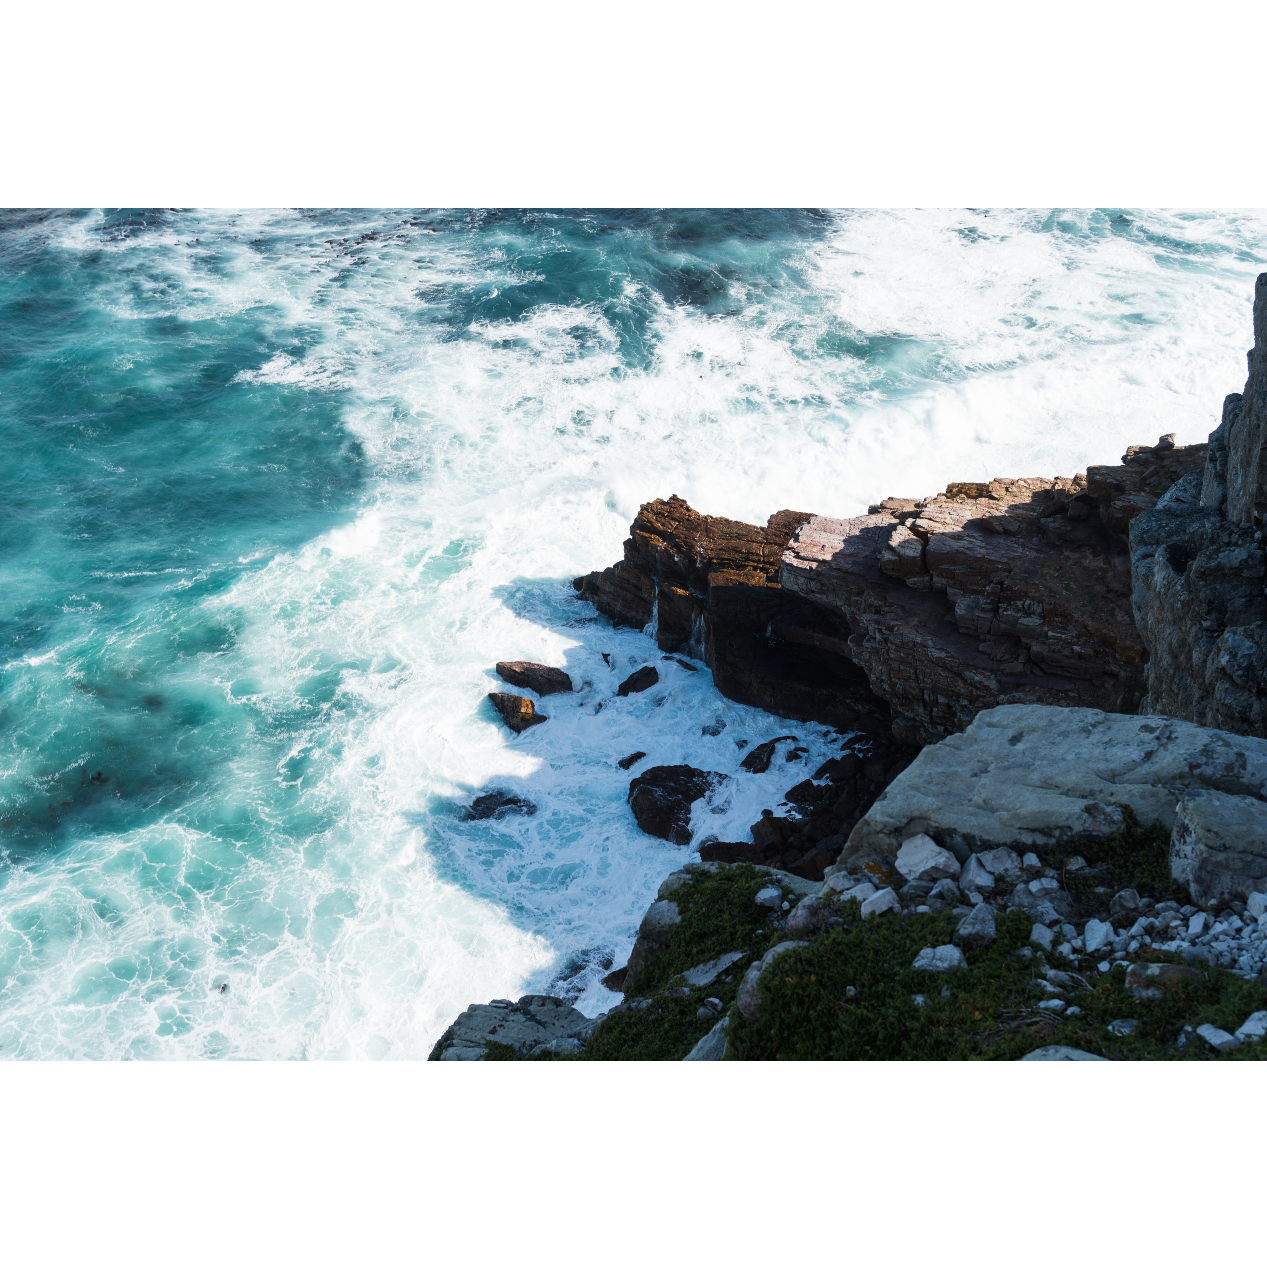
[(280, 487)]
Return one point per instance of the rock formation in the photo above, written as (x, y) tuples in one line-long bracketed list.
[(517, 711), (1198, 564), (661, 799), (535, 677)]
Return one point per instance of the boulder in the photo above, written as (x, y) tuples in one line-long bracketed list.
[(975, 876), (771, 897), (879, 903), (713, 1045), (642, 679), (631, 760), (1254, 1028), (1124, 903), (1218, 848), (1219, 1039), (940, 959), (1098, 937), (1052, 780), (748, 1000), (536, 1022), (758, 760), (1041, 936), (922, 858), (1061, 1053), (811, 915), (517, 711), (1153, 980), (1256, 905), (661, 799), (977, 929), (654, 932), (535, 677)]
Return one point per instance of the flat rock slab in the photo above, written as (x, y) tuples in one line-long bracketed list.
[(517, 711), (1061, 1053), (661, 799), (535, 677), (707, 973), (535, 1022), (1032, 777)]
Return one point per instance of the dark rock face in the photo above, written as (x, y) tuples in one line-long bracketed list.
[(534, 677), (712, 587), (1014, 591), (1198, 566), (517, 711), (661, 799), (642, 679), (499, 805), (631, 760)]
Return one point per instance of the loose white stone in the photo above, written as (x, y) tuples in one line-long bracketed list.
[(1044, 886), (1002, 861), (877, 904), (1041, 936), (1219, 1039), (975, 875), (1066, 949), (1123, 1028), (1052, 1005), (1076, 863), (1254, 1028), (1061, 1053), (940, 959), (1097, 935), (1074, 1011), (1030, 862), (1198, 924), (1256, 905), (922, 858), (861, 892), (770, 897)]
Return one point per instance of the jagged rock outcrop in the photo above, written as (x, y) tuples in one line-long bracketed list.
[(535, 677), (1012, 592), (517, 711), (1055, 781), (710, 586), (537, 1023), (1198, 566), (661, 799)]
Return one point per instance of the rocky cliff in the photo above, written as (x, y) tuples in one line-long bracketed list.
[(1198, 568)]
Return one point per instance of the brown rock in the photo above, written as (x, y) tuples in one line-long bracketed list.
[(535, 677), (1152, 980), (661, 799), (642, 679), (517, 711)]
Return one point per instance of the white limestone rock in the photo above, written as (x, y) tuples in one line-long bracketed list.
[(1218, 847), (940, 959), (1097, 936), (1041, 936), (1255, 1027), (975, 876), (1061, 1053), (770, 897), (922, 858), (977, 929), (878, 903), (1040, 779), (1219, 1039)]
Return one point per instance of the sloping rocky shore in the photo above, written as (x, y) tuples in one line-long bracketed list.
[(1045, 836)]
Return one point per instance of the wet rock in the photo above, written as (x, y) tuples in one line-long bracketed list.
[(615, 981), (517, 711), (654, 932), (499, 805), (642, 679), (1218, 847), (758, 760), (532, 1024), (1153, 980), (661, 799), (631, 760), (731, 851), (977, 929), (535, 677), (940, 959)]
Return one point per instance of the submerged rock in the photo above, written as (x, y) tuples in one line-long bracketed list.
[(535, 677), (661, 799), (499, 805), (758, 760)]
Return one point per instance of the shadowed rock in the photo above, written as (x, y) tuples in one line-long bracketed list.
[(499, 805), (642, 679), (534, 677), (662, 797)]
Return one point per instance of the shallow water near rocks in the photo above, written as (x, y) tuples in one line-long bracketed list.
[(281, 488)]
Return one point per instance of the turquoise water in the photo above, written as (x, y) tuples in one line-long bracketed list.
[(281, 487)]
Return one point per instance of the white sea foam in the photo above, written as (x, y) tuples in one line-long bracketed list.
[(504, 462)]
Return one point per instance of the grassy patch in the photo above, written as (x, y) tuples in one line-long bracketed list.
[(665, 1030), (1135, 858), (990, 1011)]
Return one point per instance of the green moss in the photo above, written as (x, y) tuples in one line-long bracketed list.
[(808, 1012), (499, 1051), (719, 914)]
